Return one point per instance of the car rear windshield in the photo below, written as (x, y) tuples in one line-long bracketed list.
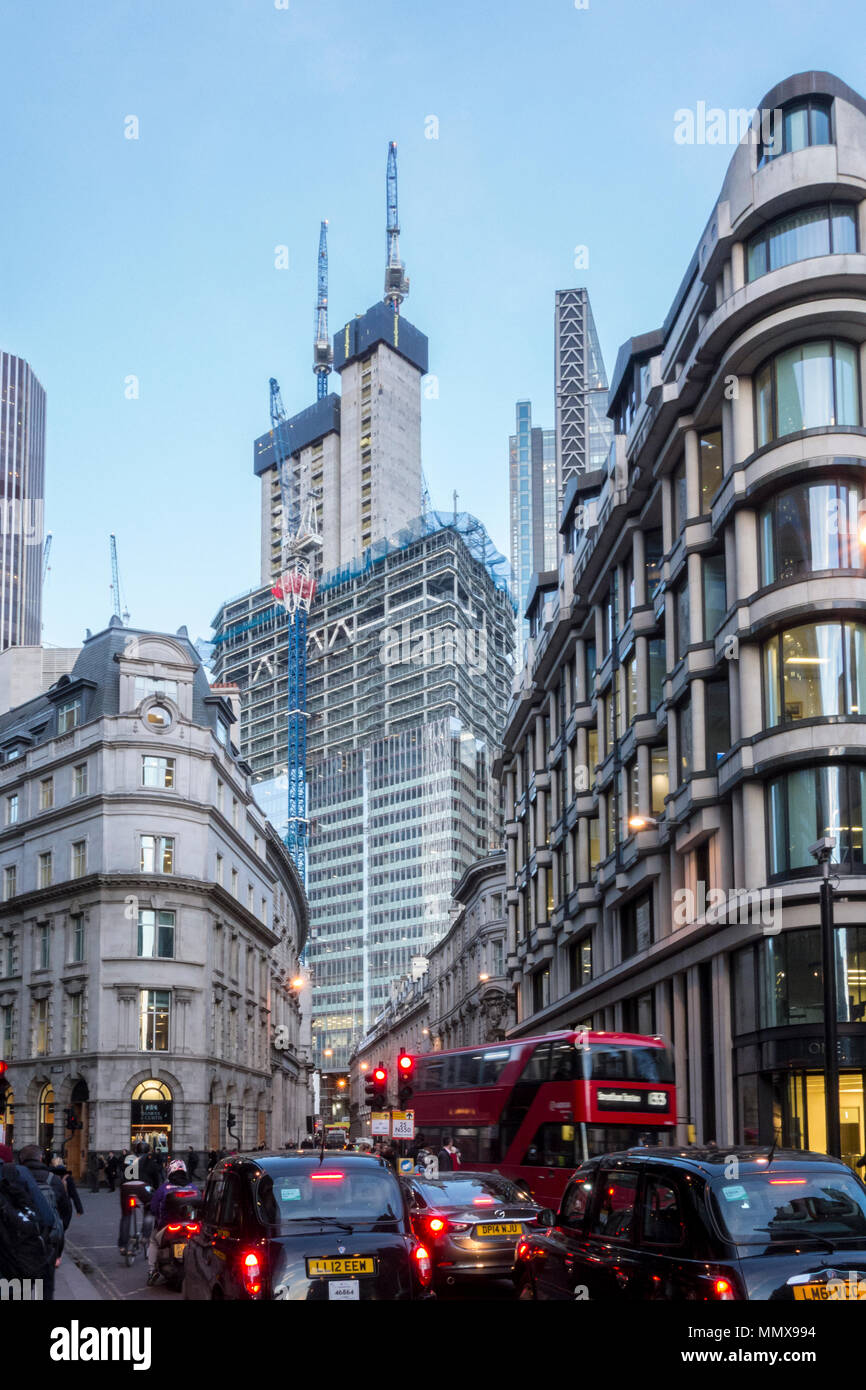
[(349, 1194), (471, 1191), (757, 1209)]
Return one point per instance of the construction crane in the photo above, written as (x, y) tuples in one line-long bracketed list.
[(323, 353), (396, 279), (115, 582), (295, 589), (46, 551)]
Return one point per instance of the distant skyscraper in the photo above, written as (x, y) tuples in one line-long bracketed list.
[(534, 504), (22, 492), (583, 431)]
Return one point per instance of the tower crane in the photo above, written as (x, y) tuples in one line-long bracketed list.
[(46, 551), (295, 589), (323, 353), (115, 582), (396, 279)]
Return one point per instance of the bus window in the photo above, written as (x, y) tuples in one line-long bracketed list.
[(652, 1064), (467, 1069), (538, 1066), (428, 1074), (493, 1064), (552, 1147), (564, 1062), (610, 1063)]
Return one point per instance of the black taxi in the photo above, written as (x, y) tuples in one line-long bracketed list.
[(305, 1225), (701, 1224)]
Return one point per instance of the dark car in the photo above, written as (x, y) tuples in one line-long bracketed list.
[(305, 1225), (470, 1222), (705, 1224)]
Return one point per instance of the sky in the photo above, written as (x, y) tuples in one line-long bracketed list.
[(154, 258)]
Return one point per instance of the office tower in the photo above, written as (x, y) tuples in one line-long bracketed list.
[(533, 504), (583, 431), (22, 493)]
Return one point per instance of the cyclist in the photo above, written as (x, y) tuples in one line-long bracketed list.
[(140, 1167)]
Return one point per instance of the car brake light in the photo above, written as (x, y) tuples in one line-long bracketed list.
[(252, 1272), (327, 1177), (131, 1203), (724, 1289), (175, 1228), (787, 1182), (522, 1250), (192, 1228), (423, 1264), (436, 1225), (484, 1201)]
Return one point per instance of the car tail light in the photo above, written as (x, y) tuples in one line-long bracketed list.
[(174, 1228), (423, 1264), (192, 1228), (327, 1177), (522, 1249), (132, 1203), (484, 1201), (723, 1289), (252, 1272), (437, 1225)]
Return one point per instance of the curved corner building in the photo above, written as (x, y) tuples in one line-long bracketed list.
[(699, 669)]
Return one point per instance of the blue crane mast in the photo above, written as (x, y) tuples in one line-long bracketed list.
[(323, 353), (294, 589), (396, 279)]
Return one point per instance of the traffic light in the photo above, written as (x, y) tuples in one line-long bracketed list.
[(405, 1072), (72, 1124), (376, 1088)]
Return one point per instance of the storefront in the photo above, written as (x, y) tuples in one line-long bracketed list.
[(7, 1114), (151, 1115)]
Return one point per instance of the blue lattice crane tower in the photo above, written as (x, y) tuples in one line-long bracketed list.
[(294, 589), (323, 352), (396, 279)]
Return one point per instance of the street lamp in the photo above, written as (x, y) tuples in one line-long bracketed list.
[(822, 852)]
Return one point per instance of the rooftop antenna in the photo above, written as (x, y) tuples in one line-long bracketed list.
[(323, 353), (396, 279)]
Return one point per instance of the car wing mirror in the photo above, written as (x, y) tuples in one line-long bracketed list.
[(546, 1218)]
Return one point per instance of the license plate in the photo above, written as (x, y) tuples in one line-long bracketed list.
[(499, 1228), (826, 1293), (346, 1264), (344, 1290), (177, 1251)]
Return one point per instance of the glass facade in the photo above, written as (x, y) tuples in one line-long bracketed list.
[(816, 385), (815, 671), (812, 527), (815, 231), (812, 802)]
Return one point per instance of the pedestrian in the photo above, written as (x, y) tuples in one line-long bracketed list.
[(112, 1165), (23, 1252), (52, 1189), (59, 1167), (93, 1172), (446, 1163), (456, 1161), (212, 1159), (191, 1161), (100, 1171)]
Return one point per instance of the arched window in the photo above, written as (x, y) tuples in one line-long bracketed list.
[(46, 1116)]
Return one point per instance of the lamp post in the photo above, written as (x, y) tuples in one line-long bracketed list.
[(822, 852)]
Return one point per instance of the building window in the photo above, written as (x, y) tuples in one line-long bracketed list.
[(149, 685), (805, 805), (813, 386), (46, 793), (10, 882), (679, 502), (817, 231), (497, 956), (76, 934), (76, 1022), (154, 1016), (594, 844), (45, 869), (234, 883), (682, 619), (155, 933), (79, 858), (157, 772), (43, 946), (635, 926), (157, 854), (40, 1028), (815, 671), (540, 990), (68, 716), (684, 738), (715, 594), (12, 809), (718, 721), (660, 779), (711, 469), (250, 897), (234, 812), (7, 1034), (219, 795), (630, 683), (79, 780), (580, 963), (811, 528), (657, 671), (803, 123)]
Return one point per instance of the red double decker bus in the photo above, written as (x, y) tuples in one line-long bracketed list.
[(534, 1108)]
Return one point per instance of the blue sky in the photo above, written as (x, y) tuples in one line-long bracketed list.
[(155, 257)]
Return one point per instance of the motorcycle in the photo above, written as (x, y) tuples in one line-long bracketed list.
[(171, 1240)]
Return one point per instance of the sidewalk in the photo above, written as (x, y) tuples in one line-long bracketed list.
[(71, 1286)]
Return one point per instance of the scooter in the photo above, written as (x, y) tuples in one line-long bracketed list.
[(171, 1240)]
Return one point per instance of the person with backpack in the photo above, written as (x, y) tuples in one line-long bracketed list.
[(65, 1176), (32, 1207)]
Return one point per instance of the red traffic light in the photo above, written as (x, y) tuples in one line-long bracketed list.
[(405, 1063), (380, 1074), (4, 1067)]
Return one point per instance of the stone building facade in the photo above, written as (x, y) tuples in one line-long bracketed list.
[(151, 921)]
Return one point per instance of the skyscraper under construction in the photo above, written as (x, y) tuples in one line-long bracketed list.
[(408, 672)]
